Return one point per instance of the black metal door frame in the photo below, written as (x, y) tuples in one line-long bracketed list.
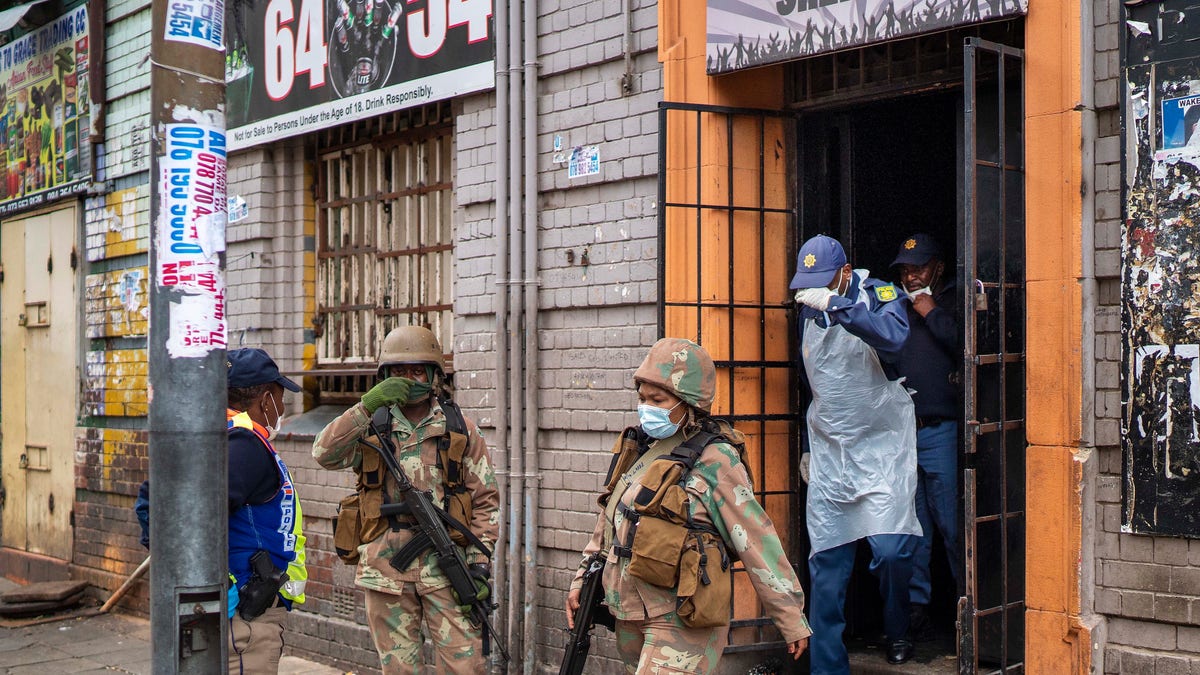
[(991, 272), (717, 163)]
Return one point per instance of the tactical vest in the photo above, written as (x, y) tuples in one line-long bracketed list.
[(359, 520), (665, 546)]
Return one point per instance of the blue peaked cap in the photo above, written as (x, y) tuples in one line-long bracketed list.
[(917, 249), (817, 262), (251, 367)]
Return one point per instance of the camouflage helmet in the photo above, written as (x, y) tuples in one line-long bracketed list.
[(411, 344), (683, 368)]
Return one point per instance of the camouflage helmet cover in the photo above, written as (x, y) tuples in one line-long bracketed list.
[(411, 344), (683, 368)]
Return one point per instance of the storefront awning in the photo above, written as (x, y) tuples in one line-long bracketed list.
[(749, 33), (9, 17)]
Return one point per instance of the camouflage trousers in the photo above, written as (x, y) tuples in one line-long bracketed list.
[(664, 645), (395, 621)]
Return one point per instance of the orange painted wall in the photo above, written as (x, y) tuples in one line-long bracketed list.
[(1054, 635)]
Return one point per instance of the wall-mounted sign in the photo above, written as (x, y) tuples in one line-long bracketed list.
[(44, 153), (749, 33), (294, 66)]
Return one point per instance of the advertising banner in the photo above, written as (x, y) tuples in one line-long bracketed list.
[(294, 66), (749, 33), (44, 153)]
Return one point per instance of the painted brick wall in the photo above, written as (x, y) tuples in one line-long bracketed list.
[(111, 448), (269, 255), (1147, 587), (597, 319)]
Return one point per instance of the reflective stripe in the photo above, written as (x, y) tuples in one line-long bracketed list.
[(275, 526)]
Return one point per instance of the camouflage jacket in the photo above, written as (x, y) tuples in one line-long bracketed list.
[(721, 496), (337, 447)]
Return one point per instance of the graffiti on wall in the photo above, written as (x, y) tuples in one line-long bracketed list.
[(1160, 275)]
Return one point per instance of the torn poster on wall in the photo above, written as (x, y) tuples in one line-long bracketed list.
[(192, 185), (1160, 275)]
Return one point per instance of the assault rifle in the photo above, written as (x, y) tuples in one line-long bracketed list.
[(591, 611), (431, 532)]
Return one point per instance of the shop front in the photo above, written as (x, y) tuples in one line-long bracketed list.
[(868, 122)]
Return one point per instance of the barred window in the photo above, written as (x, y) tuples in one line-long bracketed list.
[(385, 242)]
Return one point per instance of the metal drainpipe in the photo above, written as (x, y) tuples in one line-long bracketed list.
[(500, 381), (1086, 451), (516, 465), (532, 477), (627, 46)]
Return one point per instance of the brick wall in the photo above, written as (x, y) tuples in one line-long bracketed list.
[(1147, 587), (111, 447), (596, 319)]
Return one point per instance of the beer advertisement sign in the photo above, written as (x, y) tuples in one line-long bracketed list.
[(44, 121), (295, 66)]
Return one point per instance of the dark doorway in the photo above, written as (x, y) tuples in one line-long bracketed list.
[(871, 175), (879, 171)]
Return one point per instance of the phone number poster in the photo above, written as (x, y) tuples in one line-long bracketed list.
[(295, 66), (44, 114)]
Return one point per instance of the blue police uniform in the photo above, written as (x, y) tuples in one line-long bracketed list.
[(929, 361), (861, 435)]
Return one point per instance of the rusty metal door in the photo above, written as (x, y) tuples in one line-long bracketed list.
[(38, 354), (991, 612)]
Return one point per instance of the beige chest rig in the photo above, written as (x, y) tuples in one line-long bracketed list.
[(359, 520), (665, 546)]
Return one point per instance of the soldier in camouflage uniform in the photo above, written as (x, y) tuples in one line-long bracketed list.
[(676, 384), (400, 604)]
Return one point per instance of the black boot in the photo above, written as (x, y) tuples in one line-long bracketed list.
[(899, 651)]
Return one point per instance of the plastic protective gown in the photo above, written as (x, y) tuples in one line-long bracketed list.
[(862, 435)]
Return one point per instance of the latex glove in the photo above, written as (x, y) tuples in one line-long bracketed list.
[(817, 298), (804, 460), (392, 391)]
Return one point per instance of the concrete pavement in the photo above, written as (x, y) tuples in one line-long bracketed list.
[(104, 643)]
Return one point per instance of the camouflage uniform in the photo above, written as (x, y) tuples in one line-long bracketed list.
[(398, 601), (650, 637)]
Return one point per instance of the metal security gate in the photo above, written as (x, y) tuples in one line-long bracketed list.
[(726, 217), (992, 273)]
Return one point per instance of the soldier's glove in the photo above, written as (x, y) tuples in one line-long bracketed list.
[(392, 391), (804, 460), (817, 298), (481, 574)]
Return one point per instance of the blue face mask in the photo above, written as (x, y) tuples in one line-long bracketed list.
[(656, 421)]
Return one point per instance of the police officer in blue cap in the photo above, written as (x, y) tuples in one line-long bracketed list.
[(929, 364), (861, 464), (266, 539)]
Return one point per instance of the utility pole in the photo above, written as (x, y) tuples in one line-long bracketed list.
[(187, 371)]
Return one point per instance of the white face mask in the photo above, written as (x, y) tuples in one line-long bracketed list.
[(273, 430), (840, 290), (919, 291)]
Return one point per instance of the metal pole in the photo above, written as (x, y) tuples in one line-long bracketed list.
[(188, 454)]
